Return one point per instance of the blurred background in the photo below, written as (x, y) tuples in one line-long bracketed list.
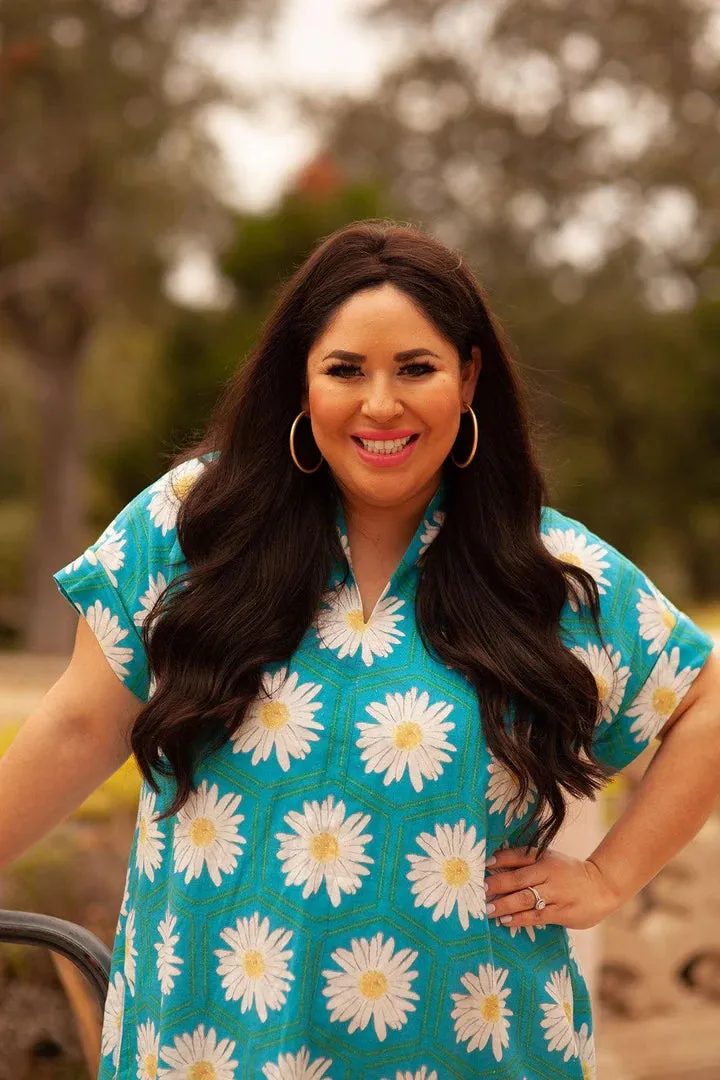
[(165, 164)]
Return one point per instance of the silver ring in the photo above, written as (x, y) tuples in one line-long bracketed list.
[(539, 902)]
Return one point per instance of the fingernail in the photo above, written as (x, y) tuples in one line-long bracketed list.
[(505, 919), (490, 908), (490, 861)]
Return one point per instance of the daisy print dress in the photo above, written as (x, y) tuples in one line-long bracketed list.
[(316, 909)]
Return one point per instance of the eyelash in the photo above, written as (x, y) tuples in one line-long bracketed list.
[(346, 370)]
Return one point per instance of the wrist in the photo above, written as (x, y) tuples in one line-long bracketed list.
[(609, 896)]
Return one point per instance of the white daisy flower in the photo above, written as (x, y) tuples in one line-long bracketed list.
[(503, 790), (451, 873), (106, 628), (170, 491), (432, 528), (168, 960), (206, 834), (255, 967), (374, 984), (156, 585), (125, 898), (419, 1074), (107, 551), (345, 545), (199, 1055), (113, 1019), (148, 1048), (573, 548), (529, 930), (131, 952), (660, 696), (481, 1014), (150, 842), (341, 625), (610, 678), (656, 619), (586, 1052), (324, 849), (297, 1067), (280, 720), (409, 733), (558, 1021)]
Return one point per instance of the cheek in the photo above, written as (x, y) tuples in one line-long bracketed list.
[(330, 411)]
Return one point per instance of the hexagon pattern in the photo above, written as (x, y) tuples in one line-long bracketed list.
[(316, 910)]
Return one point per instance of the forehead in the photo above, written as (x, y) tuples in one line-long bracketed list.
[(379, 318)]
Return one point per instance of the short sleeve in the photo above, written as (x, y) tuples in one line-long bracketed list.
[(115, 582), (650, 652)]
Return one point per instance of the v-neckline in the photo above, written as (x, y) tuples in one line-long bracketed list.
[(427, 528)]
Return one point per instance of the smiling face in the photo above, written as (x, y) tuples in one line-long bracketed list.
[(383, 423)]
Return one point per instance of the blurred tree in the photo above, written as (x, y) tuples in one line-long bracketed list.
[(106, 174), (572, 150)]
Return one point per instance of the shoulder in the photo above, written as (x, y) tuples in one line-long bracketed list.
[(573, 542)]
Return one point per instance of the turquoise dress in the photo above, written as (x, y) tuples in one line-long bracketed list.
[(316, 911)]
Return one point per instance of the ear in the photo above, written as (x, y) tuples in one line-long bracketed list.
[(470, 375)]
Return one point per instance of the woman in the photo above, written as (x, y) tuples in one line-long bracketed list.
[(371, 664)]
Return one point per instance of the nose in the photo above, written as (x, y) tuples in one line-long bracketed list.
[(380, 402)]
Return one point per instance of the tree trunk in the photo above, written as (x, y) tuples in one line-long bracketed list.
[(50, 623)]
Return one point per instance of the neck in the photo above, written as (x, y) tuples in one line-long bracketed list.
[(387, 528)]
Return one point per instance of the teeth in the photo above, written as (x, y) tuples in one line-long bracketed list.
[(385, 446)]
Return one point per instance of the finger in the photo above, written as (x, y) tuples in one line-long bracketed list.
[(548, 914), (509, 881), (524, 900), (507, 858)]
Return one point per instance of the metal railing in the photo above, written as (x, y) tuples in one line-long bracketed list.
[(76, 943)]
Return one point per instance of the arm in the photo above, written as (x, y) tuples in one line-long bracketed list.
[(676, 795), (674, 799), (75, 739)]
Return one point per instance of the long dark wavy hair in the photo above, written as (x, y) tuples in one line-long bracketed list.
[(259, 538)]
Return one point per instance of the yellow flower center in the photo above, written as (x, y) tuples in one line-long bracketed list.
[(664, 701), (373, 984), (150, 1064), (202, 832), (408, 735), (569, 557), (602, 687), (118, 1020), (142, 832), (456, 872), (324, 847), (181, 485), (567, 1009), (490, 1009), (274, 715), (356, 621), (253, 963), (668, 618), (587, 1071), (202, 1070)]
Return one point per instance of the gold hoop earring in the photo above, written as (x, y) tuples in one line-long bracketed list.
[(292, 446), (464, 464)]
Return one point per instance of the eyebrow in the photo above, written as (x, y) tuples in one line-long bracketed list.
[(408, 354)]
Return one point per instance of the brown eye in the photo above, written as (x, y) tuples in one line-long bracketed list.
[(419, 368), (343, 370)]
